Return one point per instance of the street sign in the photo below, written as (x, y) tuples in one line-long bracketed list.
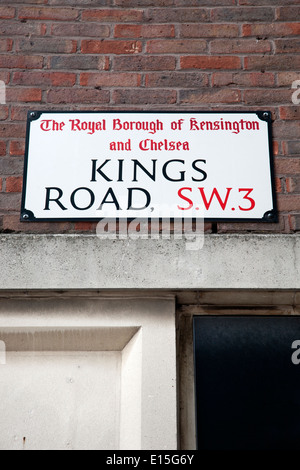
[(91, 165)]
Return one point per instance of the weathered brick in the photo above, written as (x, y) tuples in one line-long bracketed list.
[(44, 78), (14, 184), (17, 148), (16, 28), (290, 113), (10, 201), (243, 79), (80, 30), (78, 62), (107, 79), (144, 31), (178, 15), (276, 63), (7, 12), (176, 46), (88, 96), (240, 46), (287, 46), (2, 148), (46, 45), (294, 222), (6, 45), (210, 62), (113, 16), (267, 2), (244, 14), (289, 13), (11, 166), (287, 78), (271, 30), (177, 80), (21, 62), (209, 96), (292, 148), (139, 63), (142, 96), (12, 130), (288, 202), (46, 13), (4, 110), (209, 30), (265, 96), (286, 130), (23, 95), (111, 47)]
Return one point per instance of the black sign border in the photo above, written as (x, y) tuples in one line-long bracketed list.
[(270, 216)]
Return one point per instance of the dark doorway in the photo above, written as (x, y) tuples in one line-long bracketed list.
[(247, 382)]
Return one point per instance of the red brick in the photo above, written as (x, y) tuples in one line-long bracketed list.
[(80, 30), (7, 12), (2, 148), (209, 30), (86, 96), (21, 62), (6, 45), (178, 15), (278, 185), (243, 79), (113, 16), (46, 45), (4, 76), (14, 184), (276, 63), (44, 78), (110, 79), (86, 227), (269, 31), (177, 80), (3, 112), (142, 96), (210, 62), (209, 96), (140, 63), (111, 47), (287, 46), (176, 46), (23, 95), (235, 14), (144, 31), (240, 46), (289, 113), (46, 13), (1, 184), (288, 13), (17, 148)]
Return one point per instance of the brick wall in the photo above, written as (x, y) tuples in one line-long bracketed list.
[(148, 55)]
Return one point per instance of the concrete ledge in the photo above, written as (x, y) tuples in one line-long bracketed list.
[(86, 262)]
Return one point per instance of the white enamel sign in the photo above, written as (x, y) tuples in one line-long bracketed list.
[(90, 165)]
